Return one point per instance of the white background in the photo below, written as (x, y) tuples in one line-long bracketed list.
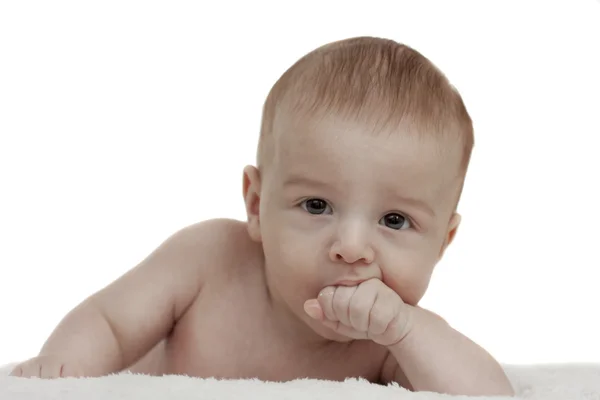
[(122, 122)]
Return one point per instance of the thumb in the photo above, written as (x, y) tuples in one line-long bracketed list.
[(313, 309)]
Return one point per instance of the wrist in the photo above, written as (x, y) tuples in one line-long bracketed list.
[(421, 325)]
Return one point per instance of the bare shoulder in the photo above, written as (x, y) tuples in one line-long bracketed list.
[(213, 230), (218, 240), (172, 275), (167, 282), (219, 247), (216, 252)]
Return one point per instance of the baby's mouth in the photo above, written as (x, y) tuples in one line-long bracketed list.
[(349, 282)]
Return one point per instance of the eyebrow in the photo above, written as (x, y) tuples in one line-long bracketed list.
[(296, 180), (417, 203)]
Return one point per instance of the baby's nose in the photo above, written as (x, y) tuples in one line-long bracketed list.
[(352, 247)]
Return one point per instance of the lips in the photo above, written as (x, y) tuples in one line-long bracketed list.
[(349, 282)]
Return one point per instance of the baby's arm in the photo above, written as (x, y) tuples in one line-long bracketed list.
[(435, 357), (116, 326)]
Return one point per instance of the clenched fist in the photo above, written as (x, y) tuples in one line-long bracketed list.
[(370, 310)]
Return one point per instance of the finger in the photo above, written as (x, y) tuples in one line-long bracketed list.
[(361, 305), (313, 309), (325, 300), (344, 330), (341, 303), (29, 370), (17, 371), (382, 314), (50, 371)]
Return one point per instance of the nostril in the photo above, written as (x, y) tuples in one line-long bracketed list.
[(353, 261)]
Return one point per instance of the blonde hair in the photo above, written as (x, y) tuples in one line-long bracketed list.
[(370, 79)]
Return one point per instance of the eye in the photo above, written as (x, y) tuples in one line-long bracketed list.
[(395, 221), (316, 206)]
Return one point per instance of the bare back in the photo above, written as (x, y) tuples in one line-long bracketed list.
[(228, 331)]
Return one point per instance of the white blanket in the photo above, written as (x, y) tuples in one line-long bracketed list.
[(552, 382)]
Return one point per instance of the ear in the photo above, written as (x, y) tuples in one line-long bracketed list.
[(450, 233), (251, 189)]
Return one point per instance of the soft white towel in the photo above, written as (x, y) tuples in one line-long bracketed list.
[(541, 382)]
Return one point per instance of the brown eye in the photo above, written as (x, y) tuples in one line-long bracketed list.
[(315, 206), (395, 221)]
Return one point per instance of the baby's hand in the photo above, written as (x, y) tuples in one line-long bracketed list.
[(370, 310), (46, 367)]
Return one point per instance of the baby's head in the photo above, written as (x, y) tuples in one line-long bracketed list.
[(363, 150)]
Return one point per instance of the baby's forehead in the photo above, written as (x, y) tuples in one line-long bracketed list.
[(332, 140), (347, 155)]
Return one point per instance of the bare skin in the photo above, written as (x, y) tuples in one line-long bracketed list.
[(322, 281), (227, 329), (234, 310)]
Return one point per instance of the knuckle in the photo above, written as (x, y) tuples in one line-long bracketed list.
[(371, 283), (340, 301), (44, 371), (327, 292), (326, 306), (356, 310), (380, 319), (27, 368)]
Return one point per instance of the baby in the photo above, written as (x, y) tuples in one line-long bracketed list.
[(363, 152)]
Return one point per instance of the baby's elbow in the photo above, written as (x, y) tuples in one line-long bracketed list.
[(507, 391), (502, 387)]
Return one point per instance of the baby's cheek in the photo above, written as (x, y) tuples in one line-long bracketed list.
[(410, 280), (290, 251)]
